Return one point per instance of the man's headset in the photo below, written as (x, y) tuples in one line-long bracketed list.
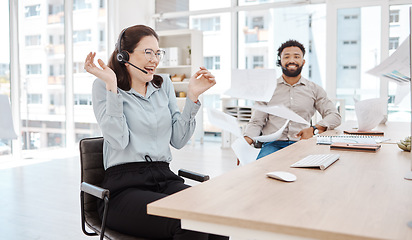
[(279, 64), (122, 55)]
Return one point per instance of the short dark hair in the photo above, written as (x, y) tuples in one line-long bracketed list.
[(291, 43), (131, 37)]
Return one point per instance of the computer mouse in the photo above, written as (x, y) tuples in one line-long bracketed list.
[(284, 176)]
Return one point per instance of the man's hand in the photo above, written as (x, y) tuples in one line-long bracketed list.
[(305, 133), (248, 140), (308, 132)]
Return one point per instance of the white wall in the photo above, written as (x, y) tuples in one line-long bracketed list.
[(126, 13)]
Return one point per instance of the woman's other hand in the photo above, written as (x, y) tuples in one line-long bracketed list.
[(104, 73), (201, 81)]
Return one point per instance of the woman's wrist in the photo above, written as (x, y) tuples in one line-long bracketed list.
[(192, 97)]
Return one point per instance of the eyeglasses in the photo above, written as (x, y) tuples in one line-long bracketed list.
[(150, 54)]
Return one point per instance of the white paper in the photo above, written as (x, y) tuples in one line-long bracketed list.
[(396, 66), (272, 137), (224, 121), (6, 121), (402, 90), (244, 152), (281, 111), (253, 84), (370, 113)]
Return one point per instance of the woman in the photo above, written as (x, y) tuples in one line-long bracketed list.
[(138, 116)]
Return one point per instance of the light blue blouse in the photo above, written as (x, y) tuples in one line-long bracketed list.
[(134, 126)]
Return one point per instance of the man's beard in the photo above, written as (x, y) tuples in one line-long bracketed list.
[(292, 73)]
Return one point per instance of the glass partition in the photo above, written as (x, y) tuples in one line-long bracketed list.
[(88, 36), (42, 74), (5, 145), (260, 34), (399, 105), (358, 50)]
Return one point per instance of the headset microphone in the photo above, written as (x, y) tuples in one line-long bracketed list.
[(279, 64), (122, 55), (144, 71)]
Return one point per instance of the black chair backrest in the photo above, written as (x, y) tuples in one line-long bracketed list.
[(92, 169)]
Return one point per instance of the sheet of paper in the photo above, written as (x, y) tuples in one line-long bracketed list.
[(396, 66), (272, 137), (402, 90), (224, 121), (244, 152), (283, 112), (370, 113), (6, 121), (253, 84)]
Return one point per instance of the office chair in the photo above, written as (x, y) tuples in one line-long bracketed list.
[(92, 174)]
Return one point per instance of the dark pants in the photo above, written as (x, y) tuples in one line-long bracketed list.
[(134, 185), (271, 147)]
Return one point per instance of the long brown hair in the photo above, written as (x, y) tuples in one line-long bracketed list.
[(131, 37)]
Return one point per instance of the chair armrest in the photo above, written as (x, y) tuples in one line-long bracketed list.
[(193, 175), (94, 190)]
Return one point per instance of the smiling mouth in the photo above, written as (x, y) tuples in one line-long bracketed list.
[(150, 69)]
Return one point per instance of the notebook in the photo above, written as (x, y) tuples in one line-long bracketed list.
[(328, 140), (355, 147)]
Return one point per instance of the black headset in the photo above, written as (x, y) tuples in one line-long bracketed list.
[(278, 63), (122, 56)]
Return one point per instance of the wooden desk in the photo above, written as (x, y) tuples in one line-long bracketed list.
[(361, 196)]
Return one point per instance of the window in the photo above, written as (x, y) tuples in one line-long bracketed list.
[(61, 69), (55, 9), (61, 39), (31, 11), (81, 4), (33, 40), (82, 99), (51, 70), (78, 67), (82, 36), (34, 98), (258, 22), (399, 106), (33, 69), (394, 16), (258, 62), (212, 62), (393, 43), (350, 42), (357, 51), (206, 24), (348, 17)]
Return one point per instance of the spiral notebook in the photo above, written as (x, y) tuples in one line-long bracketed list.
[(328, 140)]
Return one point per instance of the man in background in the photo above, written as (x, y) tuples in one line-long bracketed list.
[(299, 95)]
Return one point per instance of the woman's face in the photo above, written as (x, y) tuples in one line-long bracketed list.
[(144, 57)]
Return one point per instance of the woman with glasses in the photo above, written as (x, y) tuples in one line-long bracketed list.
[(139, 118)]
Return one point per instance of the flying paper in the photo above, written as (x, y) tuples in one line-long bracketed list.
[(283, 112), (253, 84)]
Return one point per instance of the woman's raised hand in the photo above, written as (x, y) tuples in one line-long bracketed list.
[(104, 73), (201, 81)]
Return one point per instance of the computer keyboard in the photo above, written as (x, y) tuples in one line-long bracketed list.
[(321, 161)]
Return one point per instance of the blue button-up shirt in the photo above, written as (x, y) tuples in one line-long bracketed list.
[(134, 126)]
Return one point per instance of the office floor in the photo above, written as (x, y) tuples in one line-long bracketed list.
[(39, 196)]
